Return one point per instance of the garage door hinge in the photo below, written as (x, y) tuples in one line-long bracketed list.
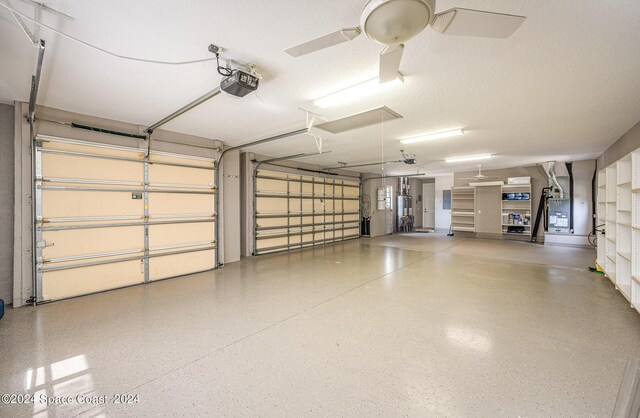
[(43, 244)]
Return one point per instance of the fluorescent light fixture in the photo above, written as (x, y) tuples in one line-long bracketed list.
[(469, 158), (354, 92), (428, 137)]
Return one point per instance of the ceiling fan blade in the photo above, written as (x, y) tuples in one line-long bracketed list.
[(323, 42), (390, 58), (467, 22)]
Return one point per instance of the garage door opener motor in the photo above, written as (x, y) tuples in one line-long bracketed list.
[(238, 81)]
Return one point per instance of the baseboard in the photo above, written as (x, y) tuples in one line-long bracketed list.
[(579, 241)]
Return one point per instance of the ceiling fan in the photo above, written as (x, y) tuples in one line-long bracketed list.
[(394, 22), (479, 176)]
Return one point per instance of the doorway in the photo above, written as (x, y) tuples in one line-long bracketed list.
[(429, 206)]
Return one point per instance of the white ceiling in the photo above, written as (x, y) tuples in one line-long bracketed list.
[(564, 86)]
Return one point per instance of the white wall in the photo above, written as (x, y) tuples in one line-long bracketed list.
[(6, 202), (443, 217), (230, 208), (582, 191)]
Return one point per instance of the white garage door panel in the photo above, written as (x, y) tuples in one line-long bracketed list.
[(59, 204), (310, 211), (179, 203), (165, 235), (277, 186), (79, 253), (158, 156), (180, 264), (76, 242), (179, 175), (73, 282), (91, 148), (270, 205), (70, 166)]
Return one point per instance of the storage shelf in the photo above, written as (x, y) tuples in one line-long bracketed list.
[(637, 280), (526, 226), (611, 258), (524, 234), (463, 214), (626, 256), (463, 229), (516, 200), (516, 186)]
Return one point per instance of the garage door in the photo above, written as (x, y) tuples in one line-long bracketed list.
[(295, 211), (109, 217)]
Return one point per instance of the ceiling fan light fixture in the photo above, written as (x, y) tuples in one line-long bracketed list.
[(357, 91), (469, 158), (435, 135), (392, 22)]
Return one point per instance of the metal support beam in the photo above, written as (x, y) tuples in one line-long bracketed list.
[(35, 81), (36, 251), (362, 165), (184, 109)]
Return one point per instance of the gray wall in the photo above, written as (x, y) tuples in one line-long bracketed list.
[(6, 201), (628, 142), (582, 174)]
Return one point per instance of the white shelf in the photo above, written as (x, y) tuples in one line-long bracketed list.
[(626, 256), (463, 228)]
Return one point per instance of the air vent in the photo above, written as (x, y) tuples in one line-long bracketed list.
[(360, 120)]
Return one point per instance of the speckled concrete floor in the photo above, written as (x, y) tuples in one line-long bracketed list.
[(413, 325)]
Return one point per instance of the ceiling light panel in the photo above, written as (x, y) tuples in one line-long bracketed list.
[(360, 120), (469, 158), (435, 135)]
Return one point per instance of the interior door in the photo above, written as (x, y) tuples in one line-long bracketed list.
[(429, 206), (488, 219)]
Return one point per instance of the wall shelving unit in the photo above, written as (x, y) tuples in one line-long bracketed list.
[(623, 226), (619, 210), (521, 208), (610, 223), (296, 211), (635, 230), (463, 209), (601, 211)]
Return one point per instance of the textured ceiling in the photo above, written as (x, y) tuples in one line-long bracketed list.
[(564, 86)]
